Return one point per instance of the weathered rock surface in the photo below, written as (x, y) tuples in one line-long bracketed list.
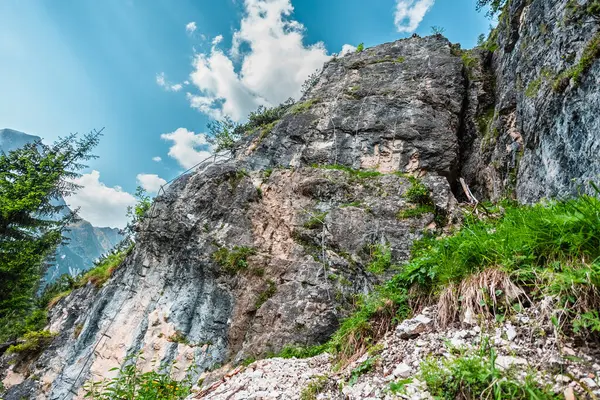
[(303, 234), (532, 132)]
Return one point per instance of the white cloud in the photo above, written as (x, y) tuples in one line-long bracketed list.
[(157, 159), (161, 81), (267, 63), (188, 148), (410, 13), (190, 27), (99, 204), (347, 48), (150, 182), (218, 39)]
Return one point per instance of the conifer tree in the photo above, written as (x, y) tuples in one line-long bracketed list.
[(33, 181)]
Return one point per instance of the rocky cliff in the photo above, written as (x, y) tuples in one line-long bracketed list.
[(268, 248)]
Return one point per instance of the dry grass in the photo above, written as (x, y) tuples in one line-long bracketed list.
[(482, 294)]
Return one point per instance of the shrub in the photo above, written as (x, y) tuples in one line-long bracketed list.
[(415, 211), (418, 193), (32, 342), (133, 384), (381, 259), (233, 260), (360, 48)]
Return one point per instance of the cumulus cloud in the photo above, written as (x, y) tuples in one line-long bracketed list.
[(150, 182), (190, 27), (99, 204), (188, 148), (161, 81), (410, 13), (347, 48), (267, 63), (217, 40)]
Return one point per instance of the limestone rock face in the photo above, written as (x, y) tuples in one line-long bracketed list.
[(538, 126), (395, 107), (267, 249)]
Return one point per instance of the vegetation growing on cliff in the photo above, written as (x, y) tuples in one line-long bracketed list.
[(549, 250), (133, 384), (32, 181)]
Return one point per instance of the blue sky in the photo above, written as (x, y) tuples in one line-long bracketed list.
[(153, 72)]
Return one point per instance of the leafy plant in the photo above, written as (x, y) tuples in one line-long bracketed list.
[(381, 259), (233, 260), (361, 369), (133, 384), (418, 193), (437, 30), (360, 48), (475, 376), (32, 342)]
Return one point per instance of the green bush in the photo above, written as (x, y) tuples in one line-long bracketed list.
[(133, 384), (381, 259), (233, 260), (360, 48), (361, 369), (418, 193), (32, 342)]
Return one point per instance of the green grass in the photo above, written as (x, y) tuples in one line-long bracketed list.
[(474, 376), (533, 88), (315, 386), (300, 108), (549, 249), (266, 294), (316, 221), (590, 54), (415, 211), (360, 48), (104, 268), (302, 352), (358, 174), (234, 260)]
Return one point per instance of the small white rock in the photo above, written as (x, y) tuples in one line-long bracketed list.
[(402, 370)]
